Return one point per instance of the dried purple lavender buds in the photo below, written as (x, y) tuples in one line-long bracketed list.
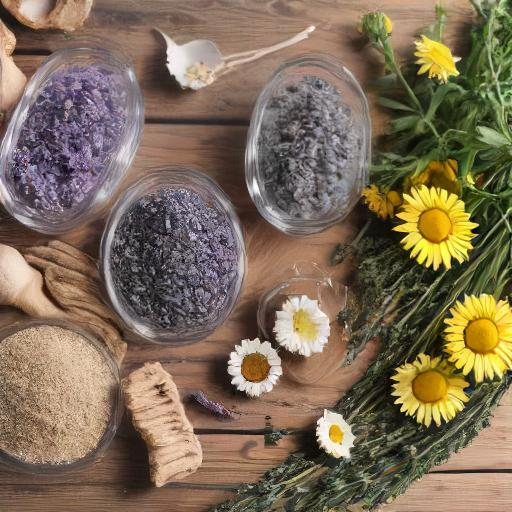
[(307, 145), (174, 260), (216, 408), (70, 132)]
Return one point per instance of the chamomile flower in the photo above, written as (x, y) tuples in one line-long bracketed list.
[(255, 367), (334, 435), (301, 326)]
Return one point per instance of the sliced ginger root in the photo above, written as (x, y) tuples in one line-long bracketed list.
[(157, 413), (65, 15)]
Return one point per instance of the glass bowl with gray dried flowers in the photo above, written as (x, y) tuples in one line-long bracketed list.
[(173, 256), (71, 138), (308, 147)]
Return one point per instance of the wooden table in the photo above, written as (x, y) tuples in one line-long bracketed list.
[(207, 129)]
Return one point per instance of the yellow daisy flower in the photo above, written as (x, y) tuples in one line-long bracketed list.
[(427, 389), (437, 226), (479, 336), (380, 203), (436, 58), (440, 174)]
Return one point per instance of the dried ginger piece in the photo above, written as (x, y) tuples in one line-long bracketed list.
[(73, 283), (157, 413)]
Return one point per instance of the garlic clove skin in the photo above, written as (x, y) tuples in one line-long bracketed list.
[(193, 64), (65, 15)]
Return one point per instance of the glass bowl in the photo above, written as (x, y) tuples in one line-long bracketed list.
[(117, 406), (347, 188), (213, 196), (303, 278), (117, 159)]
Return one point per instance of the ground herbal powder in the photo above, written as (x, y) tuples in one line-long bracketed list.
[(56, 394), (307, 145), (70, 133), (174, 260)]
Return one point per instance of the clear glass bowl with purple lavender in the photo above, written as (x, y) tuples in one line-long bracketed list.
[(308, 146), (71, 138), (173, 256)]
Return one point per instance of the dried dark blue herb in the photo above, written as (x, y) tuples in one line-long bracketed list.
[(70, 132), (174, 260), (307, 144)]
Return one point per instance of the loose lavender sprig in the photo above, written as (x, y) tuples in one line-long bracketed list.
[(215, 408)]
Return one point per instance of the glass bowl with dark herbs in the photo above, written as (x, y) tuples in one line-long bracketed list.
[(173, 257), (308, 147), (71, 138), (60, 397)]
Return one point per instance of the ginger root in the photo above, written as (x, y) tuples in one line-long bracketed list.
[(12, 79), (157, 413), (22, 286), (73, 282)]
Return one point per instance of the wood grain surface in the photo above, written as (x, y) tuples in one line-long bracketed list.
[(207, 130)]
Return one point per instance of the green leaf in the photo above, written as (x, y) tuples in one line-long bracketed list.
[(438, 97), (405, 123), (491, 137), (393, 104)]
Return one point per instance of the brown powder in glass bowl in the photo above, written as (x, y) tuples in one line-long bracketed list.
[(56, 395)]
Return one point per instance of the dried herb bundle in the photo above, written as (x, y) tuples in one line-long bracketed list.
[(469, 120)]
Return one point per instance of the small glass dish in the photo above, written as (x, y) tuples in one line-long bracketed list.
[(117, 405), (303, 278), (307, 278), (213, 196), (117, 158), (354, 178)]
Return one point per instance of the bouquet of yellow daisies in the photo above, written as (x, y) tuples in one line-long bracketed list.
[(441, 226)]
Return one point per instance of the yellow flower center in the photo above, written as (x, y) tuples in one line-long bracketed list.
[(255, 367), (481, 335), (430, 386), (336, 434), (435, 225), (303, 325)]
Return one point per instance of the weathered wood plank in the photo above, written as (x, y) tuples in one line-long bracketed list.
[(234, 26), (478, 492), (91, 498), (484, 492)]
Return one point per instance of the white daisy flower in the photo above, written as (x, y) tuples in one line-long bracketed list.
[(334, 435), (301, 326), (255, 367)]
